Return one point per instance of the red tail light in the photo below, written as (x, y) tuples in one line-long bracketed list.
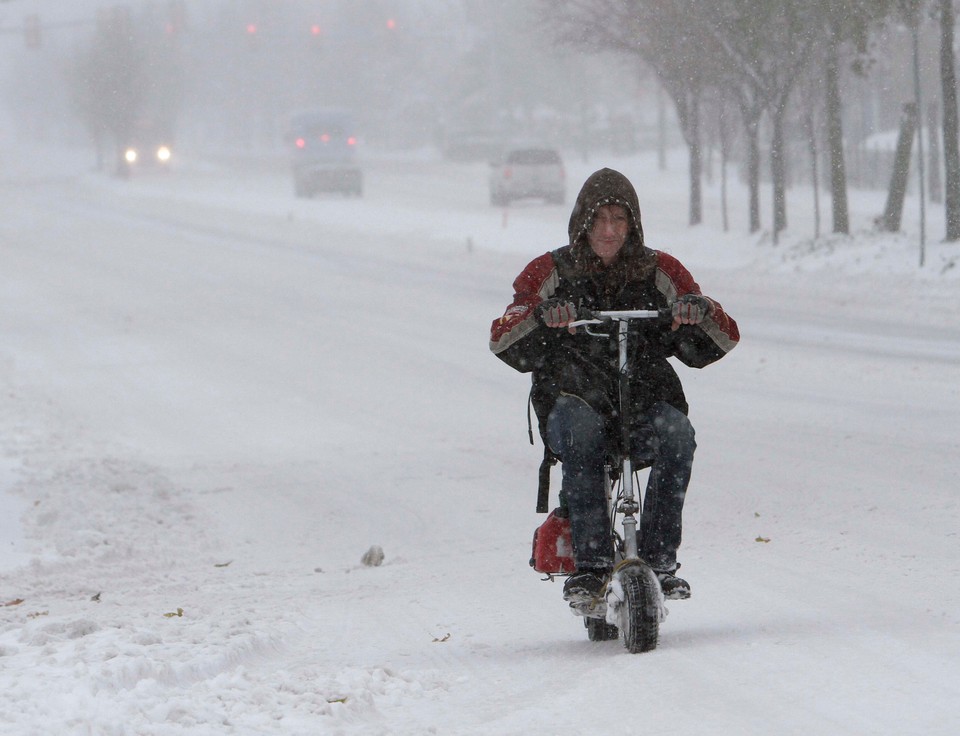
[(351, 141), (301, 143), (325, 138), (507, 172)]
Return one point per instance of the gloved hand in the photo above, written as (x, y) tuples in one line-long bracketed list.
[(557, 312), (690, 309)]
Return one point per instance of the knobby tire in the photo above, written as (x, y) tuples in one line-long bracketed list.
[(639, 620)]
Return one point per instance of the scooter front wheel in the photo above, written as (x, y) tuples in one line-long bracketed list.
[(639, 615)]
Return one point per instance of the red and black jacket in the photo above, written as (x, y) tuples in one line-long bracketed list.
[(586, 366)]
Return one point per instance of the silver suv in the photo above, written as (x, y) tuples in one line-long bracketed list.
[(528, 172)]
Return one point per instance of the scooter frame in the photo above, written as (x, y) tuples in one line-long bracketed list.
[(633, 599)]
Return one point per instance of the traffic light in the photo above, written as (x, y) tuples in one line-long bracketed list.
[(252, 39), (316, 35)]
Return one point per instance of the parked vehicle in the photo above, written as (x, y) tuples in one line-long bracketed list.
[(323, 148), (528, 172)]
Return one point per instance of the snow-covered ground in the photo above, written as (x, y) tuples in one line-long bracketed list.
[(214, 399)]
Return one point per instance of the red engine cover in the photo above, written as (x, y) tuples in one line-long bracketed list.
[(552, 546)]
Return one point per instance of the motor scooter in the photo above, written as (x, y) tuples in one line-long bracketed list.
[(632, 601)]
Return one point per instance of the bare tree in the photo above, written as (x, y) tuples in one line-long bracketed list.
[(833, 108), (751, 50), (842, 26), (108, 81), (128, 78), (933, 125), (767, 45), (660, 33), (951, 148), (725, 147), (751, 114)]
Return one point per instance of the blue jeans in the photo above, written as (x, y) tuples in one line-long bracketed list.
[(663, 438)]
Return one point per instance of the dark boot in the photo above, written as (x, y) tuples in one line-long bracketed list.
[(583, 587), (674, 588)]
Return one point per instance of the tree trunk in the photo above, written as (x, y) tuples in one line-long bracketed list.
[(753, 175), (696, 164), (778, 174), (951, 145), (934, 179), (893, 212), (724, 157), (687, 102), (814, 172), (838, 172), (750, 113), (661, 130)]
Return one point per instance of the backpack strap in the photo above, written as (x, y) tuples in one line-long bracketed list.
[(564, 263), (543, 487), (549, 460)]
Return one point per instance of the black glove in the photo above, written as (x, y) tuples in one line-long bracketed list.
[(557, 312), (690, 309)]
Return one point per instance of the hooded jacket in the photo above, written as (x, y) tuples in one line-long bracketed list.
[(640, 278)]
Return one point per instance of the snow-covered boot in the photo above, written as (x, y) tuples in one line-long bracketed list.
[(583, 587), (674, 588)]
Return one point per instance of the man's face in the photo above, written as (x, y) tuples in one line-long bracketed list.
[(609, 232)]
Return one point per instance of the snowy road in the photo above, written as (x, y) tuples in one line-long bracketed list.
[(214, 398)]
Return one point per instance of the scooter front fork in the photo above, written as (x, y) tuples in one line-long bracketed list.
[(629, 508)]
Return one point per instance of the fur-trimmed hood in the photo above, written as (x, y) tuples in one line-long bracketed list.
[(635, 261), (605, 186)]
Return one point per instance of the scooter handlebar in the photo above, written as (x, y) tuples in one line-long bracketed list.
[(621, 315)]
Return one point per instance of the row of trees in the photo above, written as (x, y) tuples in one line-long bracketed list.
[(763, 57)]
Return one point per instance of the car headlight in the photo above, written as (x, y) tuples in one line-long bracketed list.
[(130, 155), (163, 154)]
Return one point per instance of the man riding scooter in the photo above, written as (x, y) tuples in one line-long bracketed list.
[(606, 266)]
